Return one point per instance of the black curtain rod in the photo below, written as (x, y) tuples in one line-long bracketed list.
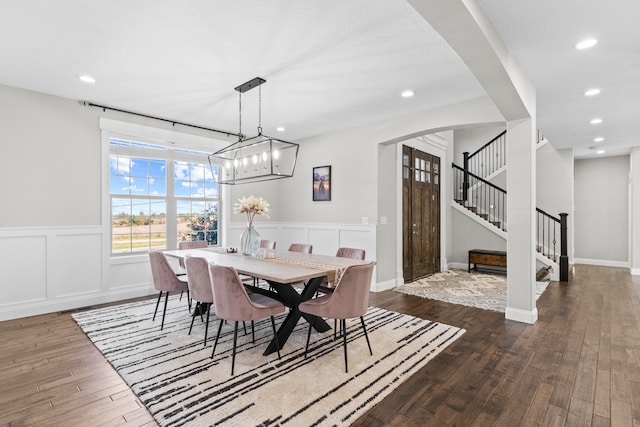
[(173, 122)]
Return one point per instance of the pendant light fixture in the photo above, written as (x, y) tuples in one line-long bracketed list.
[(255, 159)]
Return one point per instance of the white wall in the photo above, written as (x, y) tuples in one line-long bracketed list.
[(470, 139), (52, 229), (468, 234), (50, 150), (360, 171), (602, 211), (554, 176)]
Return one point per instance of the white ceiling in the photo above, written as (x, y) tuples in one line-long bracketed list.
[(329, 65)]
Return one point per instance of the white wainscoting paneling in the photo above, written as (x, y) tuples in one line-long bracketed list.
[(62, 268), (325, 238), (77, 266), (23, 263)]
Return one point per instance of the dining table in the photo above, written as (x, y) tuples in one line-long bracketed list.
[(285, 272)]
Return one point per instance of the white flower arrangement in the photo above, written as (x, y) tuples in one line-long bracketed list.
[(252, 206)]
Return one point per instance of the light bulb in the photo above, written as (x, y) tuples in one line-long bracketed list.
[(276, 154)]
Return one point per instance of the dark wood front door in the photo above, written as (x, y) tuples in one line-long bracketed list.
[(421, 213)]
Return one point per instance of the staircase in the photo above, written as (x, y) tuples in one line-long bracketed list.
[(485, 202)]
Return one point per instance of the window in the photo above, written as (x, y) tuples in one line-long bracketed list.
[(160, 196)]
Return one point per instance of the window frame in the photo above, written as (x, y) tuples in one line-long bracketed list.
[(151, 149)]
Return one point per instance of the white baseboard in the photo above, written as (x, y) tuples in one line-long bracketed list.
[(523, 316), (458, 265), (384, 286), (602, 262), (634, 271)]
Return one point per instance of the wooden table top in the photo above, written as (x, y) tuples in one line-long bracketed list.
[(287, 267)]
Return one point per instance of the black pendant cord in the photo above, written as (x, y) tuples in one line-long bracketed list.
[(173, 122)]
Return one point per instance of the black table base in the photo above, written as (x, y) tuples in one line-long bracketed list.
[(288, 295)]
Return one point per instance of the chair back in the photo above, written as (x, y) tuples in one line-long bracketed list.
[(350, 298), (196, 244), (232, 300), (300, 247), (199, 279), (164, 278), (268, 244), (350, 253)]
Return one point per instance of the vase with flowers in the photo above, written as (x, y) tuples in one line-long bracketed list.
[(250, 238)]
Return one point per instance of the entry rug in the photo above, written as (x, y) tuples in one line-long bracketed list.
[(173, 375), (487, 291)]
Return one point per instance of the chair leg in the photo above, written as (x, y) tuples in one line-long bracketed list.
[(364, 328), (166, 300), (206, 327), (306, 347), (193, 317), (253, 334), (275, 335), (217, 336), (344, 341), (157, 305), (235, 340)]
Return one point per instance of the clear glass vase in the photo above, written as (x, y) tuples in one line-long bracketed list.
[(250, 241)]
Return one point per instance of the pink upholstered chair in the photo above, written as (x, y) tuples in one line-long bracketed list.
[(197, 244), (234, 304), (200, 289), (164, 280), (268, 244), (352, 253), (349, 299), (300, 247)]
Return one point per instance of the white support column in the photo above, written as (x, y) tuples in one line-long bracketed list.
[(521, 208), (634, 213)]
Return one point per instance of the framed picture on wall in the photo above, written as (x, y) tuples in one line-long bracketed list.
[(321, 183)]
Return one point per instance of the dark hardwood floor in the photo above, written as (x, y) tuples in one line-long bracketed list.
[(579, 365)]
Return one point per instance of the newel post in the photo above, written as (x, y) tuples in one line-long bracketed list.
[(564, 259), (465, 182)]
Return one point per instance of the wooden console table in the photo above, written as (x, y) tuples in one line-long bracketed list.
[(487, 257)]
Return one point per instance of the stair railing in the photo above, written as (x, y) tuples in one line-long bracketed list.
[(548, 235), (490, 202), (488, 158), (480, 196), (550, 229)]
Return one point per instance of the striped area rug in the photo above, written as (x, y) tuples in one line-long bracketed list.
[(173, 375)]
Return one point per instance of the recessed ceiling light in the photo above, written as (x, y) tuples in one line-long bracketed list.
[(596, 121), (586, 44), (592, 92), (408, 94), (598, 139), (600, 152), (280, 129), (87, 79)]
